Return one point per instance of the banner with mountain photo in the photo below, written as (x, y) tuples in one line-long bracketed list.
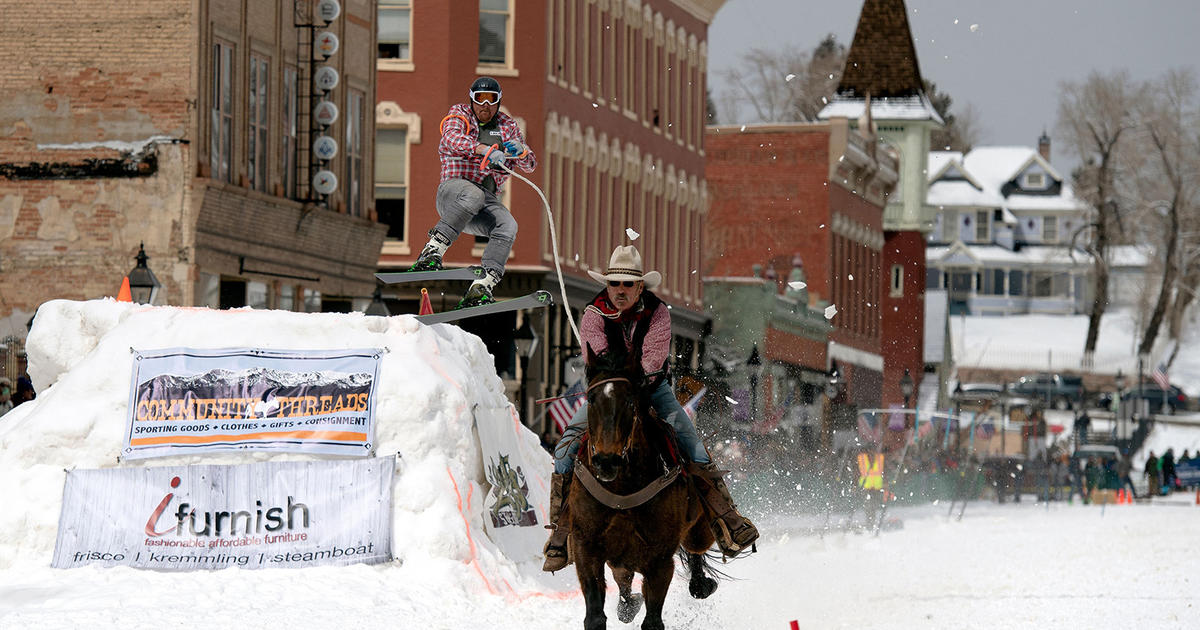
[(186, 400)]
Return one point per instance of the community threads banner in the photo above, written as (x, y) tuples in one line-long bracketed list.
[(184, 400), (268, 514)]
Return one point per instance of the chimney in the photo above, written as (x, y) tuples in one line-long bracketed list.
[(1044, 146)]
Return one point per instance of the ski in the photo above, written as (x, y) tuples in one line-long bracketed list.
[(533, 300), (463, 273)]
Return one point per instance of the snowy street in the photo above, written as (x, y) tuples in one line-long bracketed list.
[(1002, 566)]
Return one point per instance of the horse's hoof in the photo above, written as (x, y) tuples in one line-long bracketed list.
[(701, 588), (627, 609)]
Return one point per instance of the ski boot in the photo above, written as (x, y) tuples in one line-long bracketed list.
[(431, 256), (480, 291)]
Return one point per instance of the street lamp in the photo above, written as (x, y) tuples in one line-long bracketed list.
[(526, 341), (377, 306), (906, 387), (1119, 381), (754, 364), (833, 385), (143, 286)]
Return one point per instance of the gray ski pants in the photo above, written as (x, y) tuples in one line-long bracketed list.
[(466, 207)]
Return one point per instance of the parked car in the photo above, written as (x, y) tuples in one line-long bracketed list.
[(1175, 399), (1060, 391)]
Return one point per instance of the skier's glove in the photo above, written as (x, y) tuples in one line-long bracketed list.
[(515, 148), (651, 381), (494, 158)]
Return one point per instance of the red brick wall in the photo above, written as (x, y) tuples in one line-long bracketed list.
[(769, 200), (903, 338)]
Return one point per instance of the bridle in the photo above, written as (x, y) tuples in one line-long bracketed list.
[(637, 419)]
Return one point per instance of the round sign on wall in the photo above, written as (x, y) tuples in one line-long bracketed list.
[(326, 43), (325, 147), (324, 182), (325, 113), (326, 78), (328, 10)]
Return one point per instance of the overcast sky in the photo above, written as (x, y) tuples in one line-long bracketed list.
[(1009, 67)]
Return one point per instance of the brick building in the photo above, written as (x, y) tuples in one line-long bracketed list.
[(791, 203), (882, 85), (183, 125), (610, 94)]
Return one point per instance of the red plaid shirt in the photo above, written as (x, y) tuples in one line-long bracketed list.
[(460, 136)]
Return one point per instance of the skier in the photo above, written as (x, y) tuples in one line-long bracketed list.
[(627, 312), (476, 138)]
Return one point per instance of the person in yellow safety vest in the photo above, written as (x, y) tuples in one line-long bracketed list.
[(870, 473)]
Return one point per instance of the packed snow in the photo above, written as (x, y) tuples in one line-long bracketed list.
[(1021, 565)]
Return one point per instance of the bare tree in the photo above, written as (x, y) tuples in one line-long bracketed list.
[(1169, 114), (1094, 116), (787, 85), (962, 129)]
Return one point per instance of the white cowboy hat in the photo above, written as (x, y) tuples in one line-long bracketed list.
[(626, 264)]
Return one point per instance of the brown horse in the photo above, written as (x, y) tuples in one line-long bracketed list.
[(629, 509)]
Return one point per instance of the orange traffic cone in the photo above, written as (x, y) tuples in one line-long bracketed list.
[(124, 295), (426, 305)]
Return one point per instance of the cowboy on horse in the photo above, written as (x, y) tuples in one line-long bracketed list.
[(627, 316)]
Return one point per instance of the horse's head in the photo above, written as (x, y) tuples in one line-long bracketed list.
[(613, 411)]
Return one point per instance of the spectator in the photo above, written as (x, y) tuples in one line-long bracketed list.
[(1167, 463), (6, 396), (1125, 480), (549, 439), (1093, 474), (1151, 473), (24, 391), (1081, 428)]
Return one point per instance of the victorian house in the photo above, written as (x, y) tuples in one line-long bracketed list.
[(1006, 239)]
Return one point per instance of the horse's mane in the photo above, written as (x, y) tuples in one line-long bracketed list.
[(613, 363)]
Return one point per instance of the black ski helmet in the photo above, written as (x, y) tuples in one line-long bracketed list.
[(486, 84)]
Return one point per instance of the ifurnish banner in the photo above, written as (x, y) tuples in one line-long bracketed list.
[(266, 514), (185, 400)]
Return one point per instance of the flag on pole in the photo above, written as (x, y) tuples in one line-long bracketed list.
[(1160, 375), (690, 407), (564, 407)]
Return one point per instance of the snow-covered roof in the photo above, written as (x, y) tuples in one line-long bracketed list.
[(915, 107), (986, 170), (995, 254)]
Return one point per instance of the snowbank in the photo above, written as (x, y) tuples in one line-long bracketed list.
[(431, 380)]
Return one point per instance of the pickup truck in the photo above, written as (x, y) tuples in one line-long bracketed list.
[(1060, 391)]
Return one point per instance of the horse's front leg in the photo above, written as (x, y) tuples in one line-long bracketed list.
[(591, 581), (630, 602), (656, 579)]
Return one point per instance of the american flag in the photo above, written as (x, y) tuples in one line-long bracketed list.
[(562, 409), (1160, 375)]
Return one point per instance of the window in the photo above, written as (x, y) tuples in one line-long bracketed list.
[(391, 178), (897, 284), (287, 297), (1050, 229), (395, 26), (221, 130), (312, 301), (1035, 180), (981, 226), (494, 38), (289, 133), (354, 153), (1016, 284), (256, 295), (256, 139)]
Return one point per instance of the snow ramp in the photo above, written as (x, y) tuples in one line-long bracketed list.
[(439, 408)]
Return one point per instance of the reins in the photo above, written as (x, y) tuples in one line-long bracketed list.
[(637, 418)]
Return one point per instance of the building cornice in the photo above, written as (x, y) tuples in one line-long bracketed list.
[(703, 10)]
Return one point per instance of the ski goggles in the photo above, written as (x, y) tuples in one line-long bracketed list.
[(485, 98)]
